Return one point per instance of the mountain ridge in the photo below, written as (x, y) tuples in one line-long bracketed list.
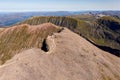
[(94, 31), (79, 60)]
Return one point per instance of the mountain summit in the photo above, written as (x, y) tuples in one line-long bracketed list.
[(64, 56)]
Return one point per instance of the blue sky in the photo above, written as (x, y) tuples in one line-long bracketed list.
[(58, 5)]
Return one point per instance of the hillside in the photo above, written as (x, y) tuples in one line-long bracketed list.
[(70, 57), (110, 23), (99, 31), (18, 38)]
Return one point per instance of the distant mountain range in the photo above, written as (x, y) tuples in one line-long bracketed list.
[(10, 18), (7, 19)]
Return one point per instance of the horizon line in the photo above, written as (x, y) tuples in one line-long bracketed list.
[(52, 10)]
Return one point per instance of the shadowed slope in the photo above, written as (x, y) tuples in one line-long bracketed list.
[(21, 37)]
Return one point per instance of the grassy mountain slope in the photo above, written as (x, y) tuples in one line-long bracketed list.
[(100, 31), (73, 58), (111, 23), (21, 37)]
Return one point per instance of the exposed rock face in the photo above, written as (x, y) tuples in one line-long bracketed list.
[(70, 57)]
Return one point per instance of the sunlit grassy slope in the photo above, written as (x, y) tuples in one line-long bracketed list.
[(21, 37)]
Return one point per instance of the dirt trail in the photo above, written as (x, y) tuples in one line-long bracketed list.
[(51, 44)]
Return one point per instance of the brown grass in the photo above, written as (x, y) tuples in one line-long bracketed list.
[(21, 37)]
